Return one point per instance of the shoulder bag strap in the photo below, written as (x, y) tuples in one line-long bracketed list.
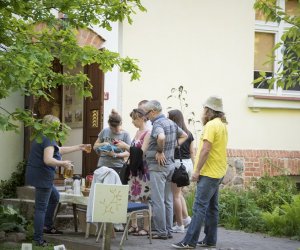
[(179, 152), (178, 147)]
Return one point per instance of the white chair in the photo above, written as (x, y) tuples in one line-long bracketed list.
[(134, 208), (102, 175), (105, 196), (138, 209)]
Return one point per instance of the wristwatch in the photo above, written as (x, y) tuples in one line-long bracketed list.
[(115, 155)]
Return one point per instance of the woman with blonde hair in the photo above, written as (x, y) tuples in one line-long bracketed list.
[(187, 152), (43, 159)]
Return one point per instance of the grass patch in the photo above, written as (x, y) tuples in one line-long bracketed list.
[(17, 246)]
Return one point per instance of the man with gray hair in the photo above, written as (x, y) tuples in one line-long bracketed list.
[(160, 158)]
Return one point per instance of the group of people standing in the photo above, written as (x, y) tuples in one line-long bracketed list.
[(162, 143), (162, 146)]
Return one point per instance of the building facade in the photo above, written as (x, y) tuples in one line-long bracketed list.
[(210, 48)]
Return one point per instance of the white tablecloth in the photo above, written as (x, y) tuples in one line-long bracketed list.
[(72, 198)]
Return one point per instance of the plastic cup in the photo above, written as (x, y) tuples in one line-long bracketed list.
[(88, 181)]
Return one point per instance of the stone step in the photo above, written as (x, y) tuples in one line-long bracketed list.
[(26, 192), (25, 206)]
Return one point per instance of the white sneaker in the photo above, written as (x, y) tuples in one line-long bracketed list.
[(187, 221), (178, 229), (119, 227)]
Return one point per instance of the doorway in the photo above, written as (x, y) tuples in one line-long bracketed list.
[(84, 116)]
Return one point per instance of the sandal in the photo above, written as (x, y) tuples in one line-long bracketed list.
[(133, 230), (159, 237), (42, 243), (52, 231), (142, 232)]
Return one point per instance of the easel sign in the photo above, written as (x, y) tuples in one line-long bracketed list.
[(110, 203)]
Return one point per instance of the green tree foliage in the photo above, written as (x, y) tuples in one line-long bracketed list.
[(288, 74), (27, 54)]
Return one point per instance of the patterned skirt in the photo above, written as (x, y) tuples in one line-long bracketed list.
[(139, 186)]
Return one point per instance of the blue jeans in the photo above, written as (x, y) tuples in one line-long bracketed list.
[(206, 209), (46, 200), (162, 198)]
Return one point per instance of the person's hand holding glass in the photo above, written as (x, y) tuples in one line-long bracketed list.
[(68, 169), (86, 147)]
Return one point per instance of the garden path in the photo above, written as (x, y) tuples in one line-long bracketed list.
[(228, 240)]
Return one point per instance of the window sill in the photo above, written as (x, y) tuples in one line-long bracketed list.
[(257, 102)]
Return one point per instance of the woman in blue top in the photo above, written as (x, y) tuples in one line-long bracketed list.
[(43, 159)]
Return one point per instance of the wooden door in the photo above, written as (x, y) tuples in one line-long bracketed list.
[(93, 116), (41, 107), (29, 103)]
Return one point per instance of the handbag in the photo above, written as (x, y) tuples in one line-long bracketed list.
[(124, 173), (180, 175)]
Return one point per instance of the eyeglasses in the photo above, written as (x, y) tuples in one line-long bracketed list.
[(147, 113)]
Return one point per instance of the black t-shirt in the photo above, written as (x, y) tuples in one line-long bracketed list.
[(184, 148)]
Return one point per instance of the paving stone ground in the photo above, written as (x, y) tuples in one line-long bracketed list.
[(228, 240)]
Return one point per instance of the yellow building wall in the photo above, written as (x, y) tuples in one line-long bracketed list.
[(11, 143), (208, 47)]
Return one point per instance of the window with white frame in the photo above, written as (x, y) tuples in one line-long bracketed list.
[(267, 34)]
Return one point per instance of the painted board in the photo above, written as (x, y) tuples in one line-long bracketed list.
[(110, 203)]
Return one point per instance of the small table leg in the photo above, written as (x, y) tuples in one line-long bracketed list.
[(56, 211), (75, 217)]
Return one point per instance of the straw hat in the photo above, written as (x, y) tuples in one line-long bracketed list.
[(215, 103)]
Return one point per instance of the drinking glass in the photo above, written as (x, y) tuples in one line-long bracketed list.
[(88, 148), (68, 172)]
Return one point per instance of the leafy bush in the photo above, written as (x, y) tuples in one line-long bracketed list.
[(237, 210), (268, 206), (189, 198), (271, 192), (8, 188), (30, 230), (284, 220), (11, 220)]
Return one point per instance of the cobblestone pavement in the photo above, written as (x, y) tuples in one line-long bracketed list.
[(228, 240)]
